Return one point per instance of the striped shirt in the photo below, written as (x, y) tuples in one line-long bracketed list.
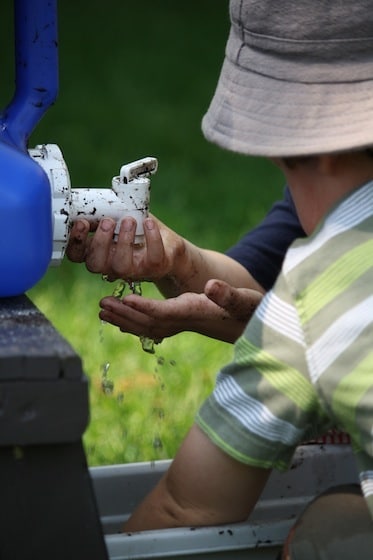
[(305, 361)]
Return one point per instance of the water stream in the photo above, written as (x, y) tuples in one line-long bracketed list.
[(148, 345)]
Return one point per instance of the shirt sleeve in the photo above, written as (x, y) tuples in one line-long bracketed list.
[(264, 403), (261, 251)]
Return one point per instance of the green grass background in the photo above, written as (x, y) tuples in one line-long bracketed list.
[(135, 80)]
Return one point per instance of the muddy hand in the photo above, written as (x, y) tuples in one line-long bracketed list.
[(239, 303), (158, 319), (121, 257)]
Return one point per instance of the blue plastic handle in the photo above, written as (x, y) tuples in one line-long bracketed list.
[(26, 233), (36, 69)]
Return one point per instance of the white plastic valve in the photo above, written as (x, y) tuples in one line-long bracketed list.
[(133, 188), (129, 196)]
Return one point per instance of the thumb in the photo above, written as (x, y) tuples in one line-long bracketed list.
[(240, 303)]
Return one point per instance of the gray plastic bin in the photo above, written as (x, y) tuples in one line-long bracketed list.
[(119, 488)]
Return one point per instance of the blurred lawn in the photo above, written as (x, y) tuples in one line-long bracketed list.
[(135, 80)]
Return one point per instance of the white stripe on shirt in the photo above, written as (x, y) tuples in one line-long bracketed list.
[(366, 481), (338, 337), (281, 317), (252, 414)]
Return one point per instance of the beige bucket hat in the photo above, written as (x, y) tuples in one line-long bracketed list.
[(297, 78)]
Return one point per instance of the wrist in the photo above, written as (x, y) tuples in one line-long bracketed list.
[(184, 271)]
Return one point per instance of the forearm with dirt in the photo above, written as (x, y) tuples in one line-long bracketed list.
[(193, 267), (172, 263)]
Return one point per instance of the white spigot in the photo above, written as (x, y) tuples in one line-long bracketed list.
[(129, 196), (132, 187)]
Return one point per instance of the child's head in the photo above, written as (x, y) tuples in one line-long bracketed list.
[(317, 182), (297, 78)]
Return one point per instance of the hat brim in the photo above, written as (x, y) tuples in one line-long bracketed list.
[(257, 115)]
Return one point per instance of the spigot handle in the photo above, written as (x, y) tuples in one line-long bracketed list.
[(139, 168), (132, 186)]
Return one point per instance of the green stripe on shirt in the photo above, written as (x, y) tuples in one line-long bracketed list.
[(290, 383), (349, 393), (281, 465), (335, 279)]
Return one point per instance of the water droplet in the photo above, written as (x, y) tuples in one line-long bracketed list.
[(157, 443), (147, 344), (159, 412), (107, 386), (160, 360), (119, 289), (135, 287)]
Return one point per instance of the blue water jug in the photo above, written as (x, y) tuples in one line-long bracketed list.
[(26, 230), (26, 236)]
